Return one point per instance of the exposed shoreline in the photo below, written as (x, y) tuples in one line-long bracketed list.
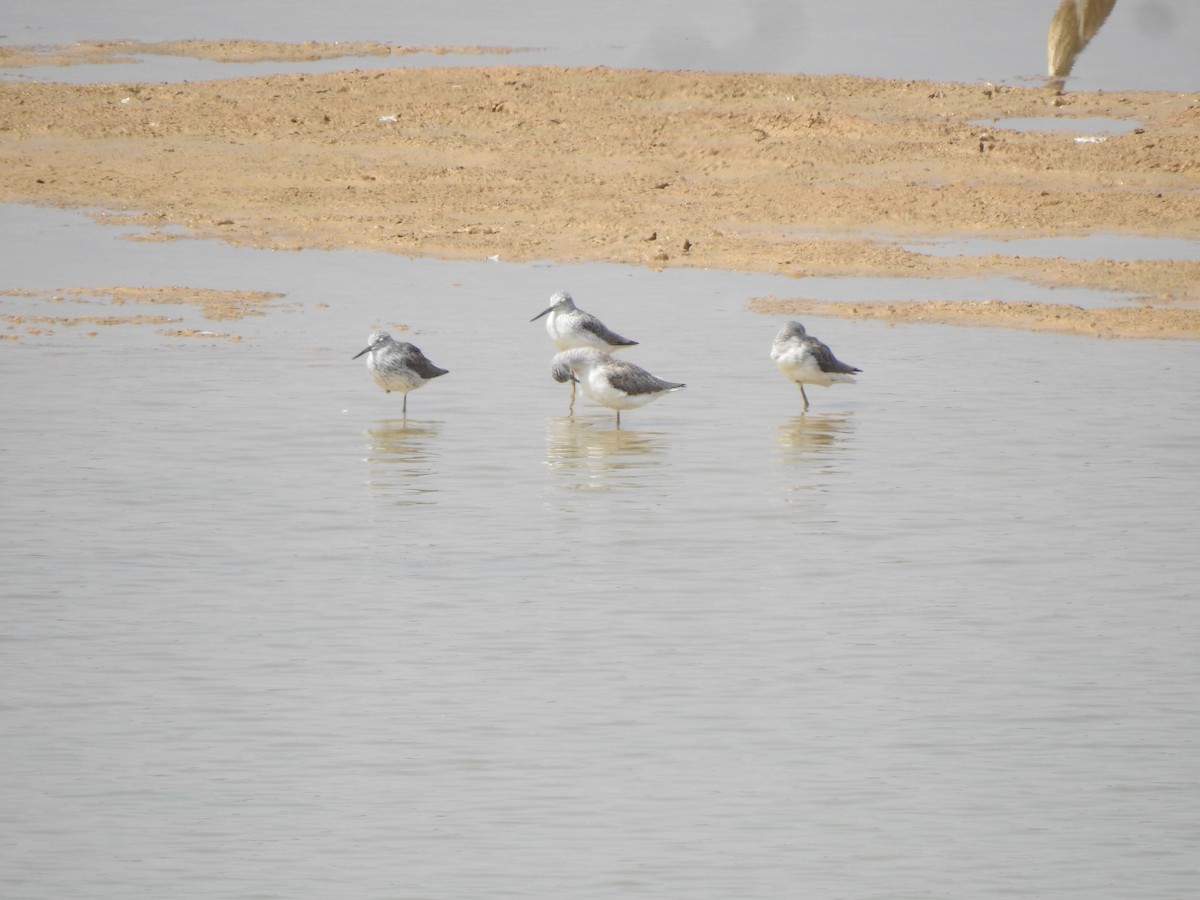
[(787, 174)]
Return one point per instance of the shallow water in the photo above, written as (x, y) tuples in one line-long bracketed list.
[(1087, 125), (1142, 46), (1124, 247), (262, 637)]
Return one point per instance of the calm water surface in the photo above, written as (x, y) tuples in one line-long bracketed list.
[(262, 637), (1141, 46)]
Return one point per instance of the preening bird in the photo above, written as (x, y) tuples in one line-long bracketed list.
[(609, 381), (570, 327)]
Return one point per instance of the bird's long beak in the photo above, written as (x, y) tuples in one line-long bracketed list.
[(542, 313), (361, 352)]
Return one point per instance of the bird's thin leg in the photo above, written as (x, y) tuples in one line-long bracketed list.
[(805, 396), (404, 407), (618, 418), (571, 408)]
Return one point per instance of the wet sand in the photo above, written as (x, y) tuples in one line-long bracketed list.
[(785, 174)]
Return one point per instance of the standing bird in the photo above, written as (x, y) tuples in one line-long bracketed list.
[(805, 360), (396, 365), (570, 327), (610, 381)]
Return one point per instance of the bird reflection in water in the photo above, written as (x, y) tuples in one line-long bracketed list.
[(596, 457), (813, 449), (813, 435), (401, 454)]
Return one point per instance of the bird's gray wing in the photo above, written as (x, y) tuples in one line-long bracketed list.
[(591, 324), (419, 362), (826, 361), (635, 380)]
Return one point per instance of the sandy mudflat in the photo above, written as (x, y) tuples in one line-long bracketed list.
[(776, 173)]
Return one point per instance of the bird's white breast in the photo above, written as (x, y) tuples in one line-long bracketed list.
[(391, 376), (799, 365)]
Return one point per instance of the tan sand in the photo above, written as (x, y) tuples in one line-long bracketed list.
[(774, 173)]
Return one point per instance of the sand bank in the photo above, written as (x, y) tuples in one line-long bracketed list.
[(786, 174)]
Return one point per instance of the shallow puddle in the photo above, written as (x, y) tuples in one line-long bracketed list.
[(1093, 125), (1120, 247)]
